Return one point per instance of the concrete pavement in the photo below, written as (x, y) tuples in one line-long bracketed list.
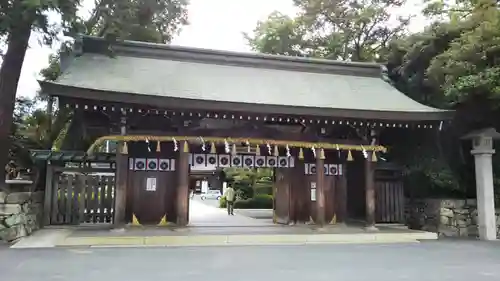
[(260, 214), (427, 261), (205, 214), (220, 236), (211, 226)]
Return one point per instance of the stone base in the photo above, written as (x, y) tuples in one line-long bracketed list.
[(447, 217), (20, 214), (13, 233)]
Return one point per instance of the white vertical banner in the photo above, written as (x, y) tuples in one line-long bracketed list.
[(313, 191)]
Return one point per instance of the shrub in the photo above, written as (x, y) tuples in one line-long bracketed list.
[(222, 202), (243, 190), (263, 188), (260, 201)]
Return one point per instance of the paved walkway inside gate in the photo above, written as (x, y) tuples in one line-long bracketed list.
[(207, 214)]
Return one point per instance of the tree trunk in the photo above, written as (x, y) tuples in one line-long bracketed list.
[(10, 72)]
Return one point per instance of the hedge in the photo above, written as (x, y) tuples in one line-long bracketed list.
[(263, 188), (260, 201)]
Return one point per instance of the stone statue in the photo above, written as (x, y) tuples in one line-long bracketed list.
[(12, 170)]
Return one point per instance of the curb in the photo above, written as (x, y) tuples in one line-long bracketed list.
[(242, 240)]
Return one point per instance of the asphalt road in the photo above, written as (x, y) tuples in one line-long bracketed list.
[(443, 260)]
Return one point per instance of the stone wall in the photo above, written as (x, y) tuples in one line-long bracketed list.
[(448, 217), (20, 214)]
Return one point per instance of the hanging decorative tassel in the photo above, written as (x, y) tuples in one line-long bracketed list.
[(158, 146), (147, 143), (365, 154), (213, 149), (257, 150), (249, 148), (349, 156), (268, 149), (176, 146), (276, 151), (186, 146), (313, 151), (288, 154), (226, 147), (301, 154), (125, 148), (374, 156), (322, 154), (203, 148), (234, 149)]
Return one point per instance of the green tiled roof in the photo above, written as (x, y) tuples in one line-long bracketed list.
[(203, 75), (70, 156)]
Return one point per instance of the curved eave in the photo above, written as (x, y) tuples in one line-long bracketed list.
[(56, 89)]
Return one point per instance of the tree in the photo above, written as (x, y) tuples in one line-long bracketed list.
[(451, 64), (141, 20), (454, 63), (17, 19), (138, 20), (154, 21), (342, 30), (279, 34)]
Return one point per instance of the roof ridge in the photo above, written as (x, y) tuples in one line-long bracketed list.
[(165, 51)]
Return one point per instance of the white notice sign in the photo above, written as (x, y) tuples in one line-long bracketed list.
[(151, 184), (313, 191)]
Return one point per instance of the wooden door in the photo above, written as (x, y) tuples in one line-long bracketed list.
[(282, 196), (149, 196), (390, 202)]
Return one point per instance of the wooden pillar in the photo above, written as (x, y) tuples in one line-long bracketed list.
[(50, 112), (320, 189), (370, 192), (293, 191), (300, 194), (121, 178), (341, 195), (182, 170), (49, 190)]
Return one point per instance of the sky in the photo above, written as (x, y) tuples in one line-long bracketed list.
[(214, 24)]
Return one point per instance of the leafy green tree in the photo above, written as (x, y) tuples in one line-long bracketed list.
[(342, 30), (153, 21), (453, 63), (246, 180), (17, 20), (141, 20)]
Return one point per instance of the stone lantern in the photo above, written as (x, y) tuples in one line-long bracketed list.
[(482, 149)]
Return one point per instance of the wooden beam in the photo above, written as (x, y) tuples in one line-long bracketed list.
[(182, 170), (121, 179), (49, 189), (129, 100), (232, 133), (320, 189), (341, 195), (370, 192)]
